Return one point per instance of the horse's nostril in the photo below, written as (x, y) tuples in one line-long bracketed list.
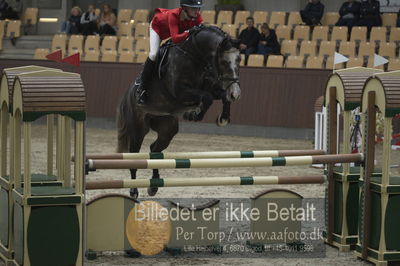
[(235, 96)]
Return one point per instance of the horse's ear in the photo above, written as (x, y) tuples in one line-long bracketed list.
[(235, 43)]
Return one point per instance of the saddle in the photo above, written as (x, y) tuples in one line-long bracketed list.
[(162, 59)]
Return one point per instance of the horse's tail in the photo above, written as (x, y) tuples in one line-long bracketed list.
[(124, 120)]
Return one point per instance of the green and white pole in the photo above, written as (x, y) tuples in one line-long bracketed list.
[(201, 181), (223, 163)]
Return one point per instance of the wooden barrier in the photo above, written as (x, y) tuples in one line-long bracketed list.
[(343, 96), (201, 155), (226, 162), (200, 181)]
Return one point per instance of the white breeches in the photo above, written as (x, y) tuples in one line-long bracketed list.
[(155, 41)]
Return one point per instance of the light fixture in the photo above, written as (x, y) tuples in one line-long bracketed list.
[(51, 20)]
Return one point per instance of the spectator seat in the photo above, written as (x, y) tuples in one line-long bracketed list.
[(241, 16), (92, 56), (275, 61), (13, 29), (109, 43), (327, 48), (260, 17), (283, 32), (125, 44), (394, 64), (59, 42), (126, 57), (294, 19), (142, 45), (320, 33), (224, 17), (339, 34), (294, 61), (141, 15), (141, 57), (347, 49), (277, 18), (41, 53), (109, 56), (289, 47), (142, 30), (75, 44), (301, 32), (308, 48), (387, 50), (208, 16), (255, 60), (315, 62), (125, 29), (124, 15), (330, 18)]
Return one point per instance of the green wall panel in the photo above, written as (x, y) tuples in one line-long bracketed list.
[(53, 236), (4, 198), (392, 232), (18, 233)]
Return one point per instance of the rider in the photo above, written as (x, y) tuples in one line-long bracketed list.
[(174, 23)]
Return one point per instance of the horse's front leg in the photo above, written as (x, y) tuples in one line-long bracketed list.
[(202, 99), (225, 117), (135, 143), (166, 128)]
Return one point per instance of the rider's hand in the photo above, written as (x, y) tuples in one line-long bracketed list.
[(192, 30)]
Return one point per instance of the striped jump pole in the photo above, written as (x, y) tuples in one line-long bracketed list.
[(201, 181), (202, 155), (220, 163)]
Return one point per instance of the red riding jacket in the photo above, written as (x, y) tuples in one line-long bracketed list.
[(167, 23)]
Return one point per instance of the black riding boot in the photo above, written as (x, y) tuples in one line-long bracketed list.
[(147, 74)]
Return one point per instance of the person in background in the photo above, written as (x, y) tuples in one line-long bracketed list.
[(15, 9), (89, 21), (176, 23), (370, 14), (349, 13), (398, 19), (10, 10), (312, 13), (107, 22), (73, 24), (3, 9), (268, 43), (249, 38)]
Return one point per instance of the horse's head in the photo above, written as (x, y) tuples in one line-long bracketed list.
[(228, 69), (214, 46)]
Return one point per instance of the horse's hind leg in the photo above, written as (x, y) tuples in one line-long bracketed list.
[(166, 128), (134, 146)]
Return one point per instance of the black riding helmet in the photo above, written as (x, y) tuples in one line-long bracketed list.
[(192, 3)]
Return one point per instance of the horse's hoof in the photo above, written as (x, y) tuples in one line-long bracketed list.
[(134, 193), (152, 191), (221, 122)]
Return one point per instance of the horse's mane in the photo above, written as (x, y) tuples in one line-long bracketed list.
[(216, 30), (226, 38), (209, 28)]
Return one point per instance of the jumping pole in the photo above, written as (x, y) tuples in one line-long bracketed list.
[(208, 181), (226, 162), (202, 155)]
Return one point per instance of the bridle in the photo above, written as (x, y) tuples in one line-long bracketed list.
[(222, 78), (211, 67)]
